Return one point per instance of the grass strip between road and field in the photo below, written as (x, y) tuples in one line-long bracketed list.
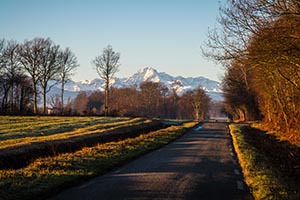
[(263, 178), (47, 176)]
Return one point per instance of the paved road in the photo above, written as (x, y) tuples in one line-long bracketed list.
[(200, 165)]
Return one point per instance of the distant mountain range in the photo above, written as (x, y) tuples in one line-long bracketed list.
[(179, 84)]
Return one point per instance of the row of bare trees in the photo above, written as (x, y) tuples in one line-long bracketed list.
[(259, 43), (32, 68), (29, 70), (149, 100)]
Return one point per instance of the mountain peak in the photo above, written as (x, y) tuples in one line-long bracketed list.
[(151, 75), (145, 74), (147, 69), (179, 84)]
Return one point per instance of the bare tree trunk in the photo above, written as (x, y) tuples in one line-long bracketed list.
[(21, 101), (62, 97), (68, 64), (44, 101), (106, 98), (4, 101), (12, 98), (35, 95)]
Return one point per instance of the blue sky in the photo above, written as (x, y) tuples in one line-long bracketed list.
[(163, 34)]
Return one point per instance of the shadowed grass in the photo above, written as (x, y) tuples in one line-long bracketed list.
[(46, 176), (265, 178)]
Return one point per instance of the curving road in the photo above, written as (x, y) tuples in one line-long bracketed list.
[(200, 165)]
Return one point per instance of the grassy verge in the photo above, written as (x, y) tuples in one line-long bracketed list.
[(264, 166), (46, 176)]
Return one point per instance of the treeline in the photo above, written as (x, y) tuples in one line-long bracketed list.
[(148, 100), (28, 70), (259, 43)]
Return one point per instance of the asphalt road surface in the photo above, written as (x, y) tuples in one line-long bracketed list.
[(200, 165)]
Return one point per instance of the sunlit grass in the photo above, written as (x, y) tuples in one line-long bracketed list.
[(38, 126), (263, 178), (45, 176), (58, 132), (16, 153)]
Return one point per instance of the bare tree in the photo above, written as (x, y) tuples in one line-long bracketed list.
[(49, 68), (2, 43), (238, 21), (2, 81), (80, 103), (152, 95), (126, 101), (4, 87), (200, 103), (15, 87), (39, 58), (107, 64), (54, 103), (31, 53), (68, 65), (12, 69), (95, 102), (25, 93)]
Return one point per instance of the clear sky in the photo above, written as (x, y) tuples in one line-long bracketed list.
[(163, 34)]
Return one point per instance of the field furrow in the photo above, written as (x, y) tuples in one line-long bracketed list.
[(61, 133), (20, 149), (48, 126)]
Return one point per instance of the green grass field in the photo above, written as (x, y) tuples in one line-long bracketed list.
[(20, 142), (22, 130), (45, 176)]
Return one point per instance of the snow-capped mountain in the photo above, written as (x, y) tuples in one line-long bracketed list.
[(179, 84)]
